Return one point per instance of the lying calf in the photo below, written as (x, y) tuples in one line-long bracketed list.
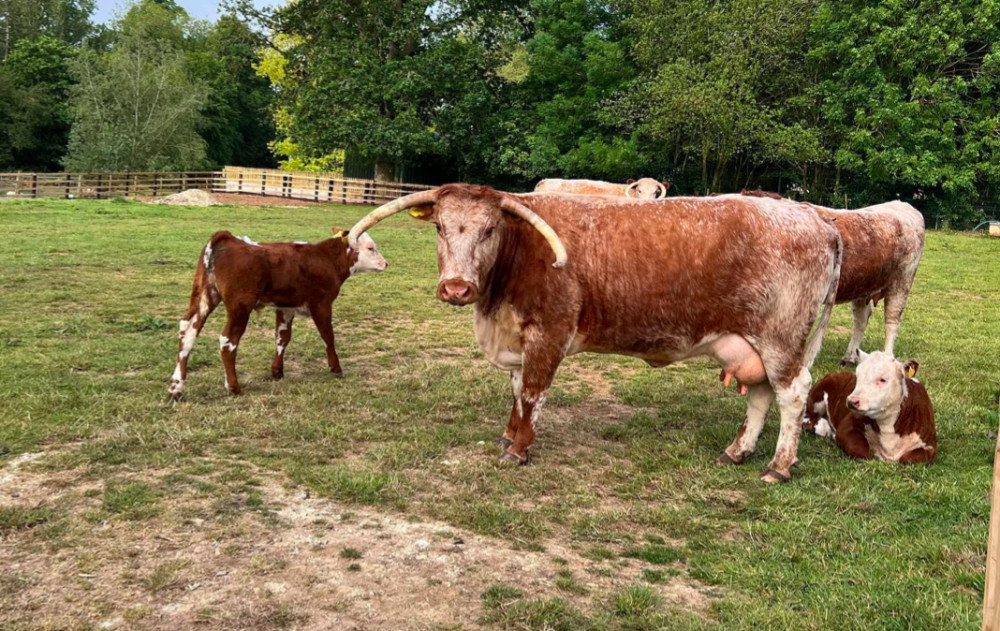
[(881, 412), (295, 278)]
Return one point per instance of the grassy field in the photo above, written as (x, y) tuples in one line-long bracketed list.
[(375, 502)]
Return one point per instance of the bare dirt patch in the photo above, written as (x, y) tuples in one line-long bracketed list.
[(273, 557), (190, 197)]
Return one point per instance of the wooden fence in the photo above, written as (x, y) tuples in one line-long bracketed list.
[(103, 185), (317, 187)]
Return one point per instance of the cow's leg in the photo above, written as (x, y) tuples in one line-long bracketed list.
[(759, 399), (507, 439), (229, 342), (792, 404), (202, 305), (538, 370), (322, 317), (894, 305), (282, 337), (862, 311)]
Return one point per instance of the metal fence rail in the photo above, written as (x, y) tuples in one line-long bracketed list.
[(316, 187)]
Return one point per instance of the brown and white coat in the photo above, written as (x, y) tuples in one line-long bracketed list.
[(294, 278), (732, 277)]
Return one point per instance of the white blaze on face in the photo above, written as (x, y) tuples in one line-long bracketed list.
[(881, 387), (369, 258), (646, 188), (468, 243)]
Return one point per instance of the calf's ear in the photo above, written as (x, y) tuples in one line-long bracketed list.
[(339, 233), (631, 180), (910, 368)]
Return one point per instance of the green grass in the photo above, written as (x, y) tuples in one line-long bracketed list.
[(88, 314)]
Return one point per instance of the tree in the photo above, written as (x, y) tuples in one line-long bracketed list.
[(371, 77), (37, 124), (65, 20), (729, 90), (137, 107), (237, 123), (910, 96)]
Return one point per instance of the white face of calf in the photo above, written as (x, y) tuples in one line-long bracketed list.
[(647, 188), (881, 385), (369, 258)]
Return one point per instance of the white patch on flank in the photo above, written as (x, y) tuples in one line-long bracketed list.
[(206, 257), (225, 345), (248, 241)]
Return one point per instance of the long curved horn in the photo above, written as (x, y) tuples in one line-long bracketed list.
[(539, 224), (422, 198), (630, 188), (663, 189)]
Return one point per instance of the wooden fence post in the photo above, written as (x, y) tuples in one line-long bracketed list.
[(263, 183), (99, 186), (68, 184), (991, 594)]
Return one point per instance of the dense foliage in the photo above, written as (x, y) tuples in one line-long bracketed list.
[(154, 90), (843, 102)]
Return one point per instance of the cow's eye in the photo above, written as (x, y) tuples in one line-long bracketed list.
[(882, 381), (488, 233), (438, 227)]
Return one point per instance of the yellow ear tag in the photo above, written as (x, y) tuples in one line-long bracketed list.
[(421, 213), (340, 234), (910, 372)]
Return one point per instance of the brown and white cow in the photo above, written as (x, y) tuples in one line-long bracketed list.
[(736, 278), (879, 412), (645, 188), (882, 249), (294, 278)]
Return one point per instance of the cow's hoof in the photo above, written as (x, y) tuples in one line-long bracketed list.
[(725, 458), (234, 391), (512, 458), (503, 443), (277, 375), (773, 475), (339, 374)]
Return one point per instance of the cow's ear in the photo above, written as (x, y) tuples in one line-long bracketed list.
[(339, 233), (910, 368), (631, 180), (666, 185), (862, 356), (423, 213)]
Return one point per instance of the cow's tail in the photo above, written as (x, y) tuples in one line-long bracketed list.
[(816, 340)]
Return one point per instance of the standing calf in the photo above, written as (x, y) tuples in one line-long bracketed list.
[(880, 412), (295, 278)]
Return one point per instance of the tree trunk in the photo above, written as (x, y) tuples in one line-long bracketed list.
[(385, 170)]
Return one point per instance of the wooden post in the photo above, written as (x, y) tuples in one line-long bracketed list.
[(17, 185), (128, 176), (316, 190), (34, 185), (991, 595), (99, 186), (263, 183), (239, 183), (343, 192), (68, 184)]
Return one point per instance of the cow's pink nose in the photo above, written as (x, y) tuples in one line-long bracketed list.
[(457, 291), (853, 402)]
